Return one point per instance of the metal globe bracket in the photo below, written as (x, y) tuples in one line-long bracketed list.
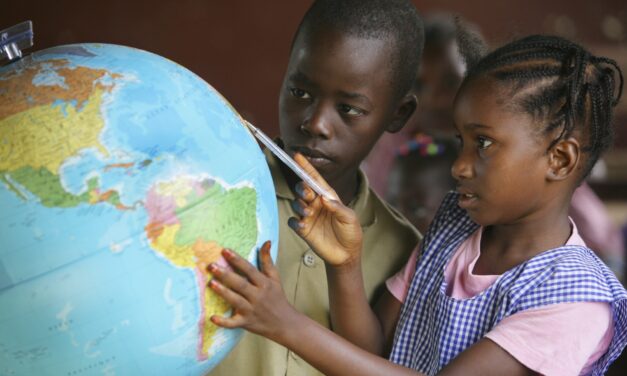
[(15, 39)]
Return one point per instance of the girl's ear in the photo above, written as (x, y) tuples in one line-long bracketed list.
[(564, 159), (403, 112)]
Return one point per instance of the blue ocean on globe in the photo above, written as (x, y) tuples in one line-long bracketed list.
[(122, 176)]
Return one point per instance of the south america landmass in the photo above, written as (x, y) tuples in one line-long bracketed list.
[(190, 221)]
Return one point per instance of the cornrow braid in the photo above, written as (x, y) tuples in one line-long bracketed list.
[(563, 84)]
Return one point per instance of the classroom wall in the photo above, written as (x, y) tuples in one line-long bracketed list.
[(241, 47)]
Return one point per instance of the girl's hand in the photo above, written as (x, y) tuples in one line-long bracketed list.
[(257, 298), (331, 229)]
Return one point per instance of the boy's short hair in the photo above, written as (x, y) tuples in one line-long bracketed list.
[(397, 20)]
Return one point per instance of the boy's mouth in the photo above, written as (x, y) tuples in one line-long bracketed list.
[(315, 157)]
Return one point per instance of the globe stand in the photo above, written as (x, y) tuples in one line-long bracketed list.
[(15, 39)]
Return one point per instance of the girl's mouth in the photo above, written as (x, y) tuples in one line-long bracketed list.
[(467, 200)]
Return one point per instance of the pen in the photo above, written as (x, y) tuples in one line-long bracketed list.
[(283, 156)]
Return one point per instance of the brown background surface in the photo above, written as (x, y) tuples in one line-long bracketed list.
[(241, 47)]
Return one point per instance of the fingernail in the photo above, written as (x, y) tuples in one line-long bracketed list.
[(266, 246), (294, 224), (214, 284), (227, 253), (291, 224), (211, 268)]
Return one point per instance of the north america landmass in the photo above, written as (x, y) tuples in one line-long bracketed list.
[(50, 111)]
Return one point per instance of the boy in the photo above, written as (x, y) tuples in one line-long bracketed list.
[(350, 70)]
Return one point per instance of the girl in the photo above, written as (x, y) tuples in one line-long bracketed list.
[(503, 284)]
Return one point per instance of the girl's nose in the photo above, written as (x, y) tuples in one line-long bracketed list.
[(318, 124), (462, 167)]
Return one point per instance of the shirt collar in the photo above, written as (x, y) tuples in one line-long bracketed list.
[(362, 204)]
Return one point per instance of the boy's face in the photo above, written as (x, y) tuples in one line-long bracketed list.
[(336, 100)]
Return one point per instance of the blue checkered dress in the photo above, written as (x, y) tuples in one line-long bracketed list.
[(434, 328)]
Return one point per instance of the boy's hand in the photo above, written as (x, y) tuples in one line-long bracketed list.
[(258, 301), (331, 229)]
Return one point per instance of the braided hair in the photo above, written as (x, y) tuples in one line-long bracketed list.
[(557, 81)]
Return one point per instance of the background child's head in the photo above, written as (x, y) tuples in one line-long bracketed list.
[(532, 113), (348, 80), (420, 178), (441, 72)]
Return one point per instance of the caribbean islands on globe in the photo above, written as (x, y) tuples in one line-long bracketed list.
[(122, 175)]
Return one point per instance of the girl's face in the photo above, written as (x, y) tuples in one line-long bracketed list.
[(502, 166)]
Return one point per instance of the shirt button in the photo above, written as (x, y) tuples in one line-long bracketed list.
[(309, 259)]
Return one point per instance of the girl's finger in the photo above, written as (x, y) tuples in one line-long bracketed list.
[(265, 261), (304, 192), (235, 321), (243, 266), (235, 300), (309, 169), (342, 213), (301, 208), (296, 225)]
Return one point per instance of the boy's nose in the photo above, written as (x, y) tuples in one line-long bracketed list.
[(318, 124)]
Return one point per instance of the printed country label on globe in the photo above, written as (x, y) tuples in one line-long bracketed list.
[(122, 176)]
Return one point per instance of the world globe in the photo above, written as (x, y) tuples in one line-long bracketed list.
[(122, 176)]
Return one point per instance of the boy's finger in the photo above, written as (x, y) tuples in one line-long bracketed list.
[(235, 321), (243, 266), (267, 266), (235, 300)]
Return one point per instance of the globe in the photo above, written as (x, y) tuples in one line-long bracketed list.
[(122, 175)]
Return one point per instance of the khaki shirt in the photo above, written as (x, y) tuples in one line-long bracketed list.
[(388, 242)]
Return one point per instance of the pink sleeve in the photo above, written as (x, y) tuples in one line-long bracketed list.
[(398, 284), (552, 340)]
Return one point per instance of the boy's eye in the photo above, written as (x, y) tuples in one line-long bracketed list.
[(299, 93), (350, 110), (483, 143)]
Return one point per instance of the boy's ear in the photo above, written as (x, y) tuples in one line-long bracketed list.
[(403, 112), (564, 159)]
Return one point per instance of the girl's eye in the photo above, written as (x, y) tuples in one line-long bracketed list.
[(299, 93), (350, 110), (483, 143)]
